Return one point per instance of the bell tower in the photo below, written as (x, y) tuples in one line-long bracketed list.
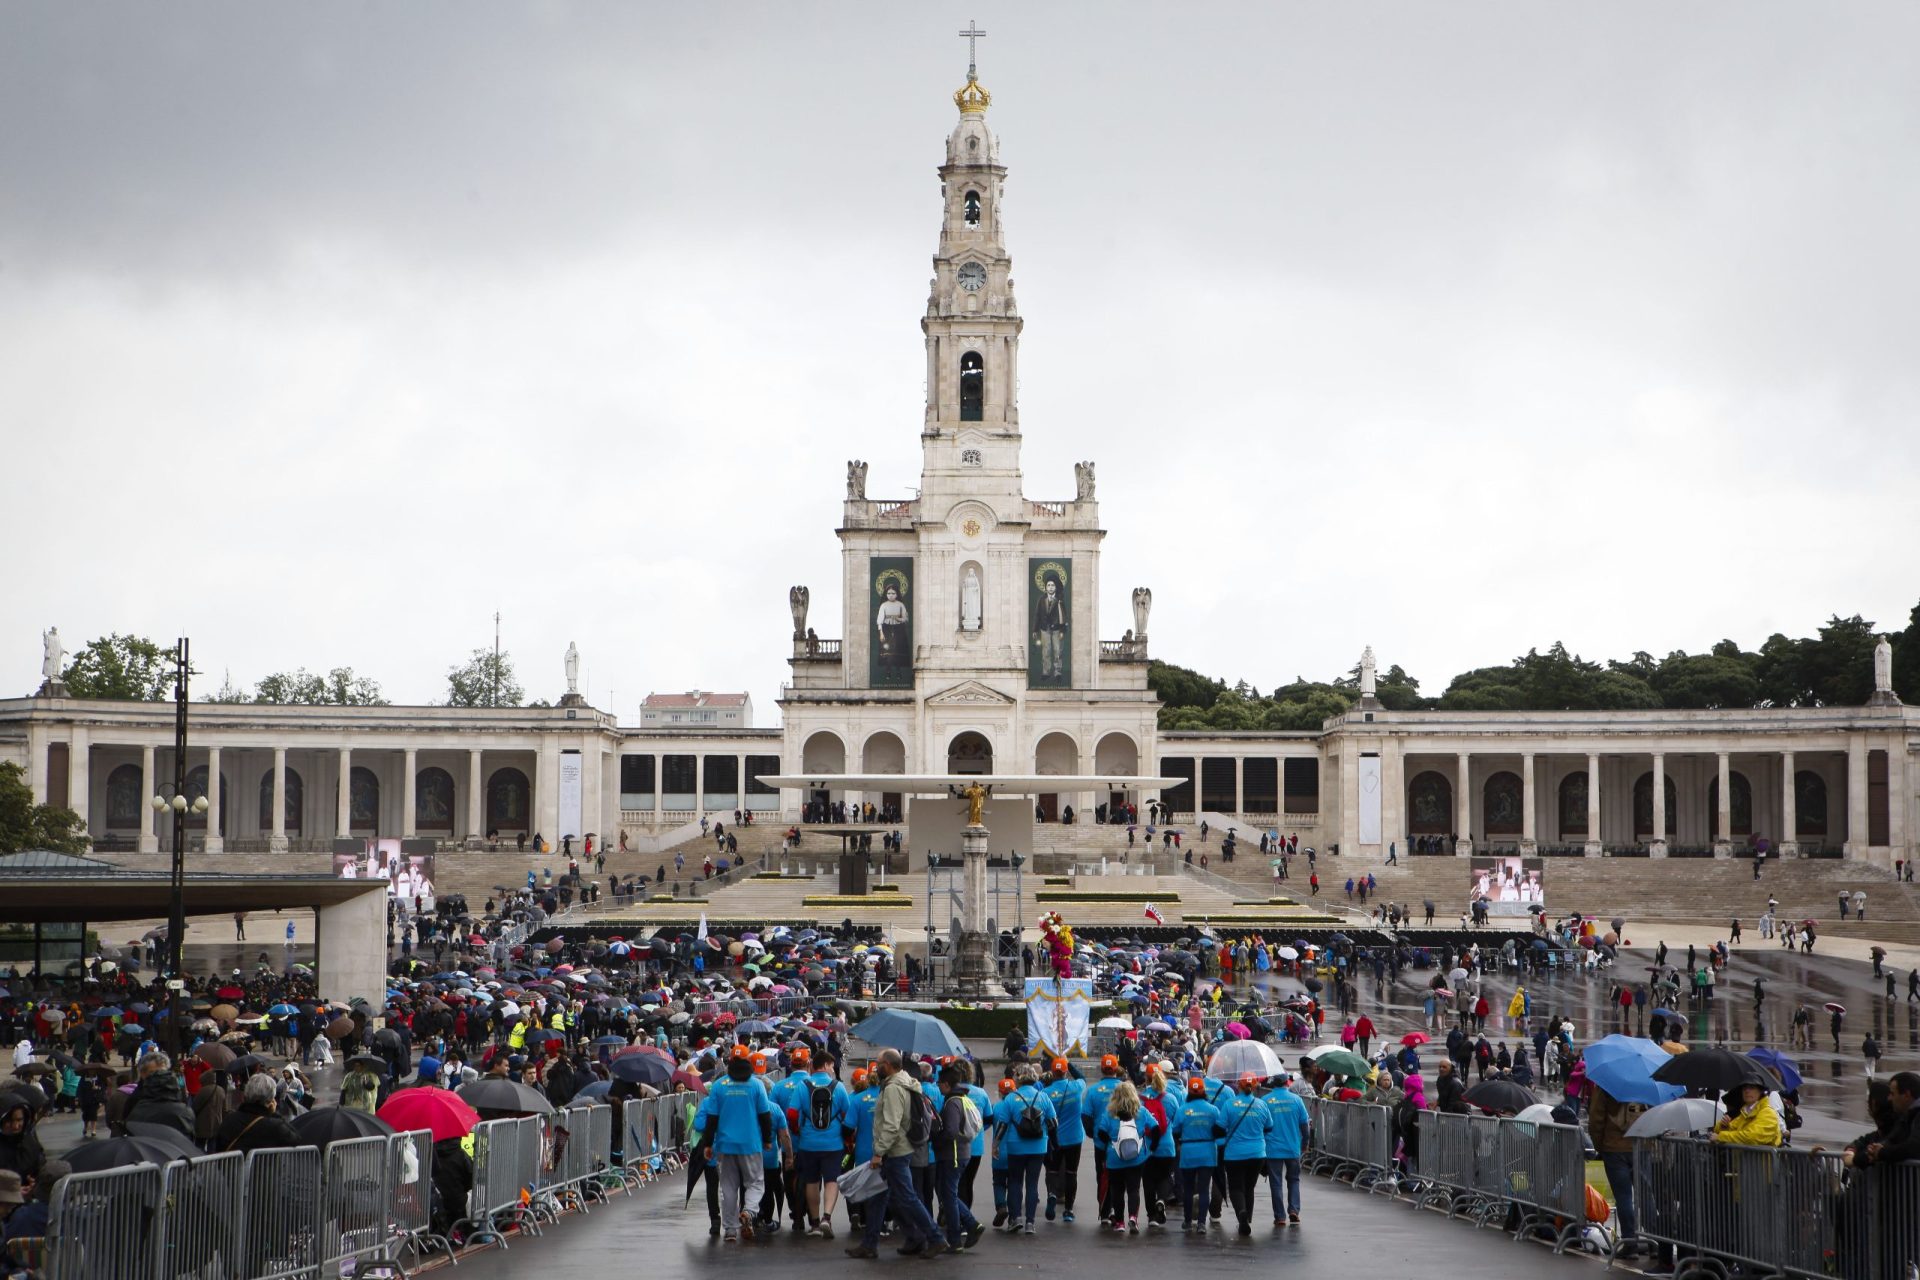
[(972, 325)]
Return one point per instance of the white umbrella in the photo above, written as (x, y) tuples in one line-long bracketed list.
[(1538, 1113), (1114, 1024), (1243, 1057), (1682, 1115), (1288, 953), (1320, 1049)]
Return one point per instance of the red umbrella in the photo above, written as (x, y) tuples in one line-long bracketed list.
[(1835, 1008), (1413, 1038), (446, 1115), (231, 993), (691, 1079), (647, 1051)]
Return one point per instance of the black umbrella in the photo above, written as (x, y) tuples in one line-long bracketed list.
[(504, 1095), (118, 1153), (243, 1066), (642, 1068), (324, 1125), (1501, 1096), (1717, 1069)]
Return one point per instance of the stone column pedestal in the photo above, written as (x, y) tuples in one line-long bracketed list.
[(1722, 848), (1657, 848), (1464, 849), (1786, 849), (1594, 849), (1529, 848), (973, 967)]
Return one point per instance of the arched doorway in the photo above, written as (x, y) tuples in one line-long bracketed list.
[(1429, 804), (197, 789), (509, 803), (970, 752), (1809, 804), (124, 800), (1739, 805), (822, 755), (1116, 755), (1573, 806), (433, 806), (883, 752), (1503, 801), (1055, 753)]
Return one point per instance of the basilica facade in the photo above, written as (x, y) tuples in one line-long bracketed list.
[(968, 644)]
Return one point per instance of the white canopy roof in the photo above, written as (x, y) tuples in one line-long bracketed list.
[(939, 784)]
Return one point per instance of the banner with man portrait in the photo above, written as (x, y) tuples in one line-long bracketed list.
[(1050, 629), (890, 637)]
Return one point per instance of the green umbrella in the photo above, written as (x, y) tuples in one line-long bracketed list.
[(1342, 1062)]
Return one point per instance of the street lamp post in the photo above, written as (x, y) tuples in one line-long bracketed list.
[(177, 919)]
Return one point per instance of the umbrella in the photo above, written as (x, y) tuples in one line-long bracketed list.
[(118, 1153), (223, 1012), (1682, 1115), (1242, 1057), (373, 1062), (595, 1092), (505, 1095), (602, 1042), (1238, 1031), (1320, 1051), (1538, 1113), (642, 1069), (32, 1069), (1717, 1069), (1500, 1096), (1344, 1062), (1788, 1069), (1114, 1024), (1312, 984), (245, 1063), (217, 1056), (909, 1032), (1288, 953), (340, 1028), (433, 1109), (1158, 1025), (1664, 1013), (1835, 1008), (1624, 1067), (282, 1009), (1414, 1039), (324, 1125)]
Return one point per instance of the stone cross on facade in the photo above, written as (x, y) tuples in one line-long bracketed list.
[(971, 34)]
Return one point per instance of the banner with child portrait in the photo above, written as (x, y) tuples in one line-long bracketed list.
[(890, 634)]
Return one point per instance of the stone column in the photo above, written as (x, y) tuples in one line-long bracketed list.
[(546, 791), (1239, 785), (1723, 816), (700, 787), (1595, 845), (1788, 845), (343, 807), (277, 842), (1657, 847), (408, 785), (740, 780), (1856, 845), (1529, 843), (80, 776), (476, 798), (1393, 792), (1463, 802), (149, 843), (216, 839)]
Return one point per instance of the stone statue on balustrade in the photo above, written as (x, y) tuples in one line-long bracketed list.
[(1883, 694), (1083, 482), (572, 661), (53, 663), (1367, 678), (797, 598), (1142, 606), (856, 479)]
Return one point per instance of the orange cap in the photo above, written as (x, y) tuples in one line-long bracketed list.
[(741, 1051), (947, 1059), (859, 1077), (759, 1064), (1197, 1087), (1006, 1086), (1060, 1066), (1248, 1077), (1108, 1062), (800, 1057)]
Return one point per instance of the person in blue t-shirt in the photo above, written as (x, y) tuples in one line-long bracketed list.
[(820, 1145), (1285, 1141), (1245, 1118), (1197, 1127), (791, 1097), (999, 1165), (967, 1175), (860, 1106), (1126, 1135), (1063, 1163), (776, 1159), (736, 1120), (1093, 1105), (1024, 1120)]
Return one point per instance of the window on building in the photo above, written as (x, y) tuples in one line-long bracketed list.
[(973, 386)]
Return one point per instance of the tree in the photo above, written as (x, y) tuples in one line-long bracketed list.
[(25, 825), (1906, 659), (1179, 687), (484, 680), (228, 691), (127, 668), (340, 687)]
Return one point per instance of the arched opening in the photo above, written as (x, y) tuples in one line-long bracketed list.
[(509, 802), (363, 802), (1116, 755), (823, 754), (433, 800), (973, 386), (1056, 753), (1643, 806), (1573, 805), (970, 208), (296, 794), (1430, 805), (883, 752), (1739, 805), (970, 752), (124, 800), (1809, 804), (1502, 801)]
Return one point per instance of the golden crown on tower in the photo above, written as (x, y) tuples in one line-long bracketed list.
[(974, 99)]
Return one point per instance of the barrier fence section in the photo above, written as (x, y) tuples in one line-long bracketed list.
[(1353, 1141), (282, 1209), (354, 1198), (102, 1226), (410, 1183), (202, 1232)]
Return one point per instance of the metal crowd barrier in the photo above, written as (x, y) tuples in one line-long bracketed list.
[(1353, 1142), (102, 1225), (202, 1233), (1776, 1210), (281, 1197), (353, 1202), (501, 1152), (410, 1186)]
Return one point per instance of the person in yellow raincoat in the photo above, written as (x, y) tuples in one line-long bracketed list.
[(1755, 1124), (1517, 1007)]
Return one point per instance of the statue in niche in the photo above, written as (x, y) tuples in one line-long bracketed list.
[(1142, 606), (970, 599), (1083, 481), (797, 598), (856, 479)]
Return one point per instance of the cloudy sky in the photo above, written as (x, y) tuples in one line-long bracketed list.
[(329, 330)]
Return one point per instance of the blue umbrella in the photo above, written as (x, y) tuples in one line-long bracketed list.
[(1624, 1067), (642, 1068), (595, 1092), (282, 1010), (1664, 1013), (910, 1032), (108, 1011), (601, 1042), (754, 1028), (1788, 1069)]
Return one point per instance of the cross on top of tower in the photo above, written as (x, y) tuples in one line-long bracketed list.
[(971, 34)]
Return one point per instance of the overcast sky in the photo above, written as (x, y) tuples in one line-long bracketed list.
[(328, 330)]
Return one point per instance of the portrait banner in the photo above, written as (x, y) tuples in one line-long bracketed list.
[(1050, 635), (890, 639), (1059, 1016), (570, 784)]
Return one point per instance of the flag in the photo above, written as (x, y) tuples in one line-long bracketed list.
[(1153, 913), (702, 935)]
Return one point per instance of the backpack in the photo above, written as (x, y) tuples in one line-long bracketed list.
[(1032, 1122), (1126, 1141), (970, 1121), (920, 1119), (820, 1098)]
